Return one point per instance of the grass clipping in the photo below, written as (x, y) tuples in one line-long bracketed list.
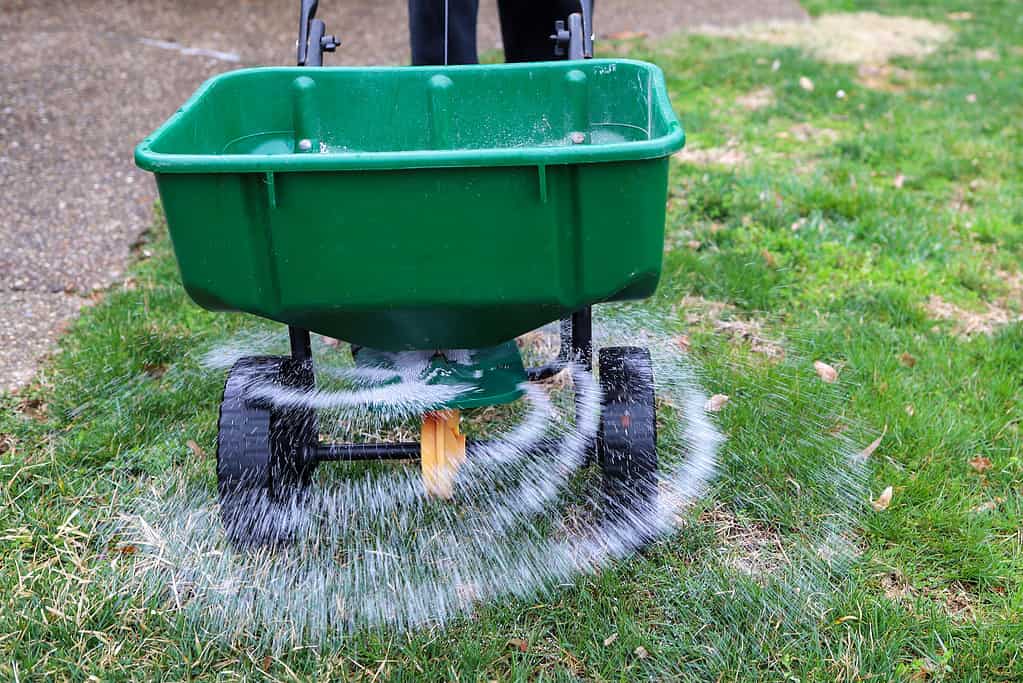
[(848, 38)]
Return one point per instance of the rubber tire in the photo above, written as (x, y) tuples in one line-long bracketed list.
[(264, 462), (627, 438)]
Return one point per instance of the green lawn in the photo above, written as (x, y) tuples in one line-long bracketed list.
[(880, 232)]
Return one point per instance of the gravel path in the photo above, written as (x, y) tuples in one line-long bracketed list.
[(82, 82)]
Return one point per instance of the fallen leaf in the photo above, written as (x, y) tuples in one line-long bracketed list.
[(626, 35), (872, 446), (806, 84), (34, 408), (899, 181), (641, 652), (715, 403), (907, 359), (683, 343), (826, 372), (988, 506), (980, 463), (267, 662), (610, 639), (519, 643), (837, 428), (156, 371), (847, 617), (694, 244), (883, 501), (769, 258), (127, 549), (196, 448), (960, 16)]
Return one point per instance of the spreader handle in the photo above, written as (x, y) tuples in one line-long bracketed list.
[(305, 17)]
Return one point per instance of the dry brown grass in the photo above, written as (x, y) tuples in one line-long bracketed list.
[(1002, 311), (848, 38), (750, 548)]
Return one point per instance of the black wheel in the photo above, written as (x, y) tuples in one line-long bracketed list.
[(263, 450), (627, 438)]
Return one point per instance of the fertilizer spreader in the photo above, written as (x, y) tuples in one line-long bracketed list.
[(424, 209)]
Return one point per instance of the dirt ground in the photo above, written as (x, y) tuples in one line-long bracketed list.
[(82, 82)]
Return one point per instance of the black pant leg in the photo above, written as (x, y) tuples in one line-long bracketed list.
[(527, 25), (426, 31)]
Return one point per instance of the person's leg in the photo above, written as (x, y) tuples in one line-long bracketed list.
[(527, 25), (426, 31)]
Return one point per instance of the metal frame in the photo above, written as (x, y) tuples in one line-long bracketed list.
[(576, 331)]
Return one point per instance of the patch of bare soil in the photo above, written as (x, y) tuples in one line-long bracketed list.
[(727, 155), (755, 100), (750, 548), (848, 38), (955, 599), (1003, 311), (722, 316), (751, 332), (885, 77), (805, 132)]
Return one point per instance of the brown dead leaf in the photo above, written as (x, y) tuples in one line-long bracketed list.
[(980, 463), (883, 501), (33, 408), (769, 259), (806, 84), (155, 370), (826, 372), (988, 505), (907, 359), (610, 639), (872, 446), (837, 428), (127, 549), (715, 403), (960, 16), (267, 662), (196, 449), (641, 652), (520, 644), (683, 343), (694, 244)]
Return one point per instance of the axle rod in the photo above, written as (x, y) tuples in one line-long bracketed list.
[(349, 452)]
